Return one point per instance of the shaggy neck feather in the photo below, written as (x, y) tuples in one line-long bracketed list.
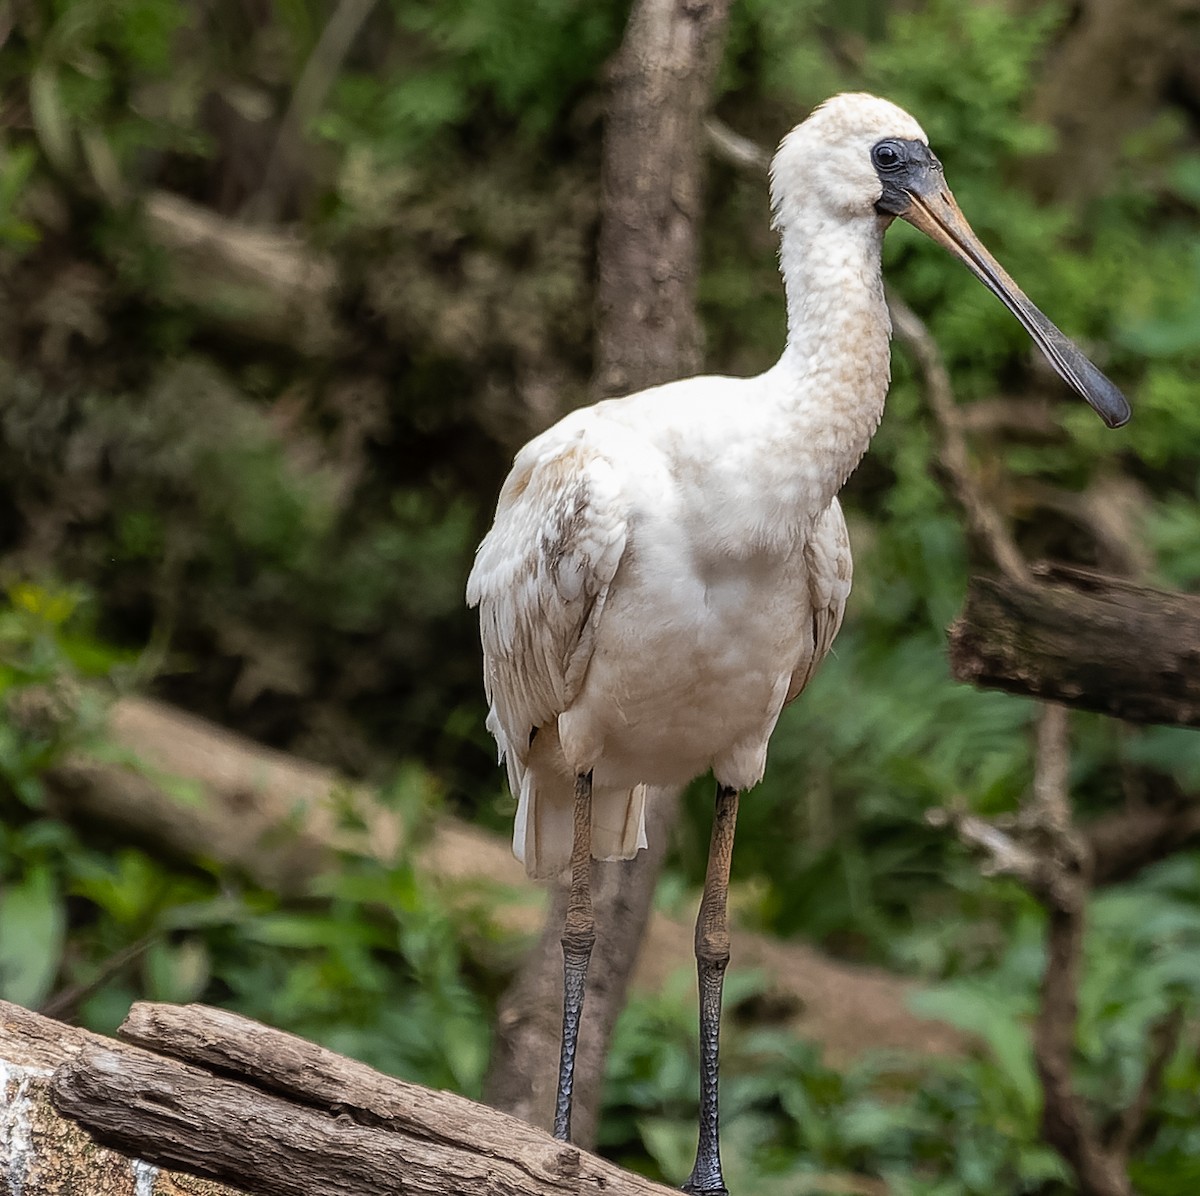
[(832, 379)]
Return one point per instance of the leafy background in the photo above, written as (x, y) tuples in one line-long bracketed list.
[(269, 522)]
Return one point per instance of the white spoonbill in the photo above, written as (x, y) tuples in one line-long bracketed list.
[(667, 570)]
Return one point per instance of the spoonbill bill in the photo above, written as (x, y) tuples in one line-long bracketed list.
[(666, 570)]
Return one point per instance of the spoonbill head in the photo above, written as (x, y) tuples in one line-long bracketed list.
[(858, 156)]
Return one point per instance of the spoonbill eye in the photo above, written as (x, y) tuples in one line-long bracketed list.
[(886, 156)]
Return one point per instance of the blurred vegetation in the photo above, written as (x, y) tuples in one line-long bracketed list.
[(271, 525)]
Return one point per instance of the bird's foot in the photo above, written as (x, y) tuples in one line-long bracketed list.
[(706, 1180), (694, 1188)]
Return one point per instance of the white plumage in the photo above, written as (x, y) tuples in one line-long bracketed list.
[(666, 570)]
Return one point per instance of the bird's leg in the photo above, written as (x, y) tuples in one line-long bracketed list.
[(712, 956), (579, 933)]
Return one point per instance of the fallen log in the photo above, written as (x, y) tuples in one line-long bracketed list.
[(1083, 639), (236, 1102), (43, 1153), (196, 1099), (259, 283)]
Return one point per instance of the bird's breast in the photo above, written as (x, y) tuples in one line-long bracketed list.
[(692, 662)]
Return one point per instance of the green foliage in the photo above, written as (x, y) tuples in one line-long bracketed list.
[(47, 649), (288, 528), (367, 961), (968, 1126), (460, 57), (788, 1119)]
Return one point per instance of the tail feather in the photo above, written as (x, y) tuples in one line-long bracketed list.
[(543, 831)]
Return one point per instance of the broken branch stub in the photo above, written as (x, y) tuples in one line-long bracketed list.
[(1086, 640)]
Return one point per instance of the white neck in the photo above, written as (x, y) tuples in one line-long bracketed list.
[(832, 379)]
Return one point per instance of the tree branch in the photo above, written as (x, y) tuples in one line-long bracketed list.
[(1084, 639), (1164, 1038), (982, 517)]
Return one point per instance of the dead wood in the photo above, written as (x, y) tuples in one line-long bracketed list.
[(43, 1153), (234, 1101), (226, 1096), (647, 332), (1084, 639), (259, 283)]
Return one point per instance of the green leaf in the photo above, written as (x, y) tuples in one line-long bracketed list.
[(995, 1020), (50, 120), (32, 927)]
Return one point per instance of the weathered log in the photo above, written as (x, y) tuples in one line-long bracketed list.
[(285, 1117), (1083, 639), (259, 283), (43, 1153), (221, 1094)]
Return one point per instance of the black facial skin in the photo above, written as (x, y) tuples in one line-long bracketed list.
[(903, 167), (915, 190)]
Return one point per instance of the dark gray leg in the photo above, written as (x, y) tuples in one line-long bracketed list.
[(712, 956), (579, 933)]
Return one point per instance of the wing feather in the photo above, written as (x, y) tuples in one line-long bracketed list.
[(540, 580), (830, 570)]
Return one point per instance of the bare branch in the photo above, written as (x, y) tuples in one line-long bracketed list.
[(319, 74), (1122, 844), (1050, 798), (982, 517), (734, 148), (1164, 1038), (288, 1118), (1005, 855)]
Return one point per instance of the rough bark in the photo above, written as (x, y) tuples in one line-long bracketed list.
[(1086, 640), (43, 1153), (647, 332), (651, 186), (285, 1117)]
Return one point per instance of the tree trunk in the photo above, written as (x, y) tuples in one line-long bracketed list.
[(1104, 80), (647, 332), (651, 192)]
